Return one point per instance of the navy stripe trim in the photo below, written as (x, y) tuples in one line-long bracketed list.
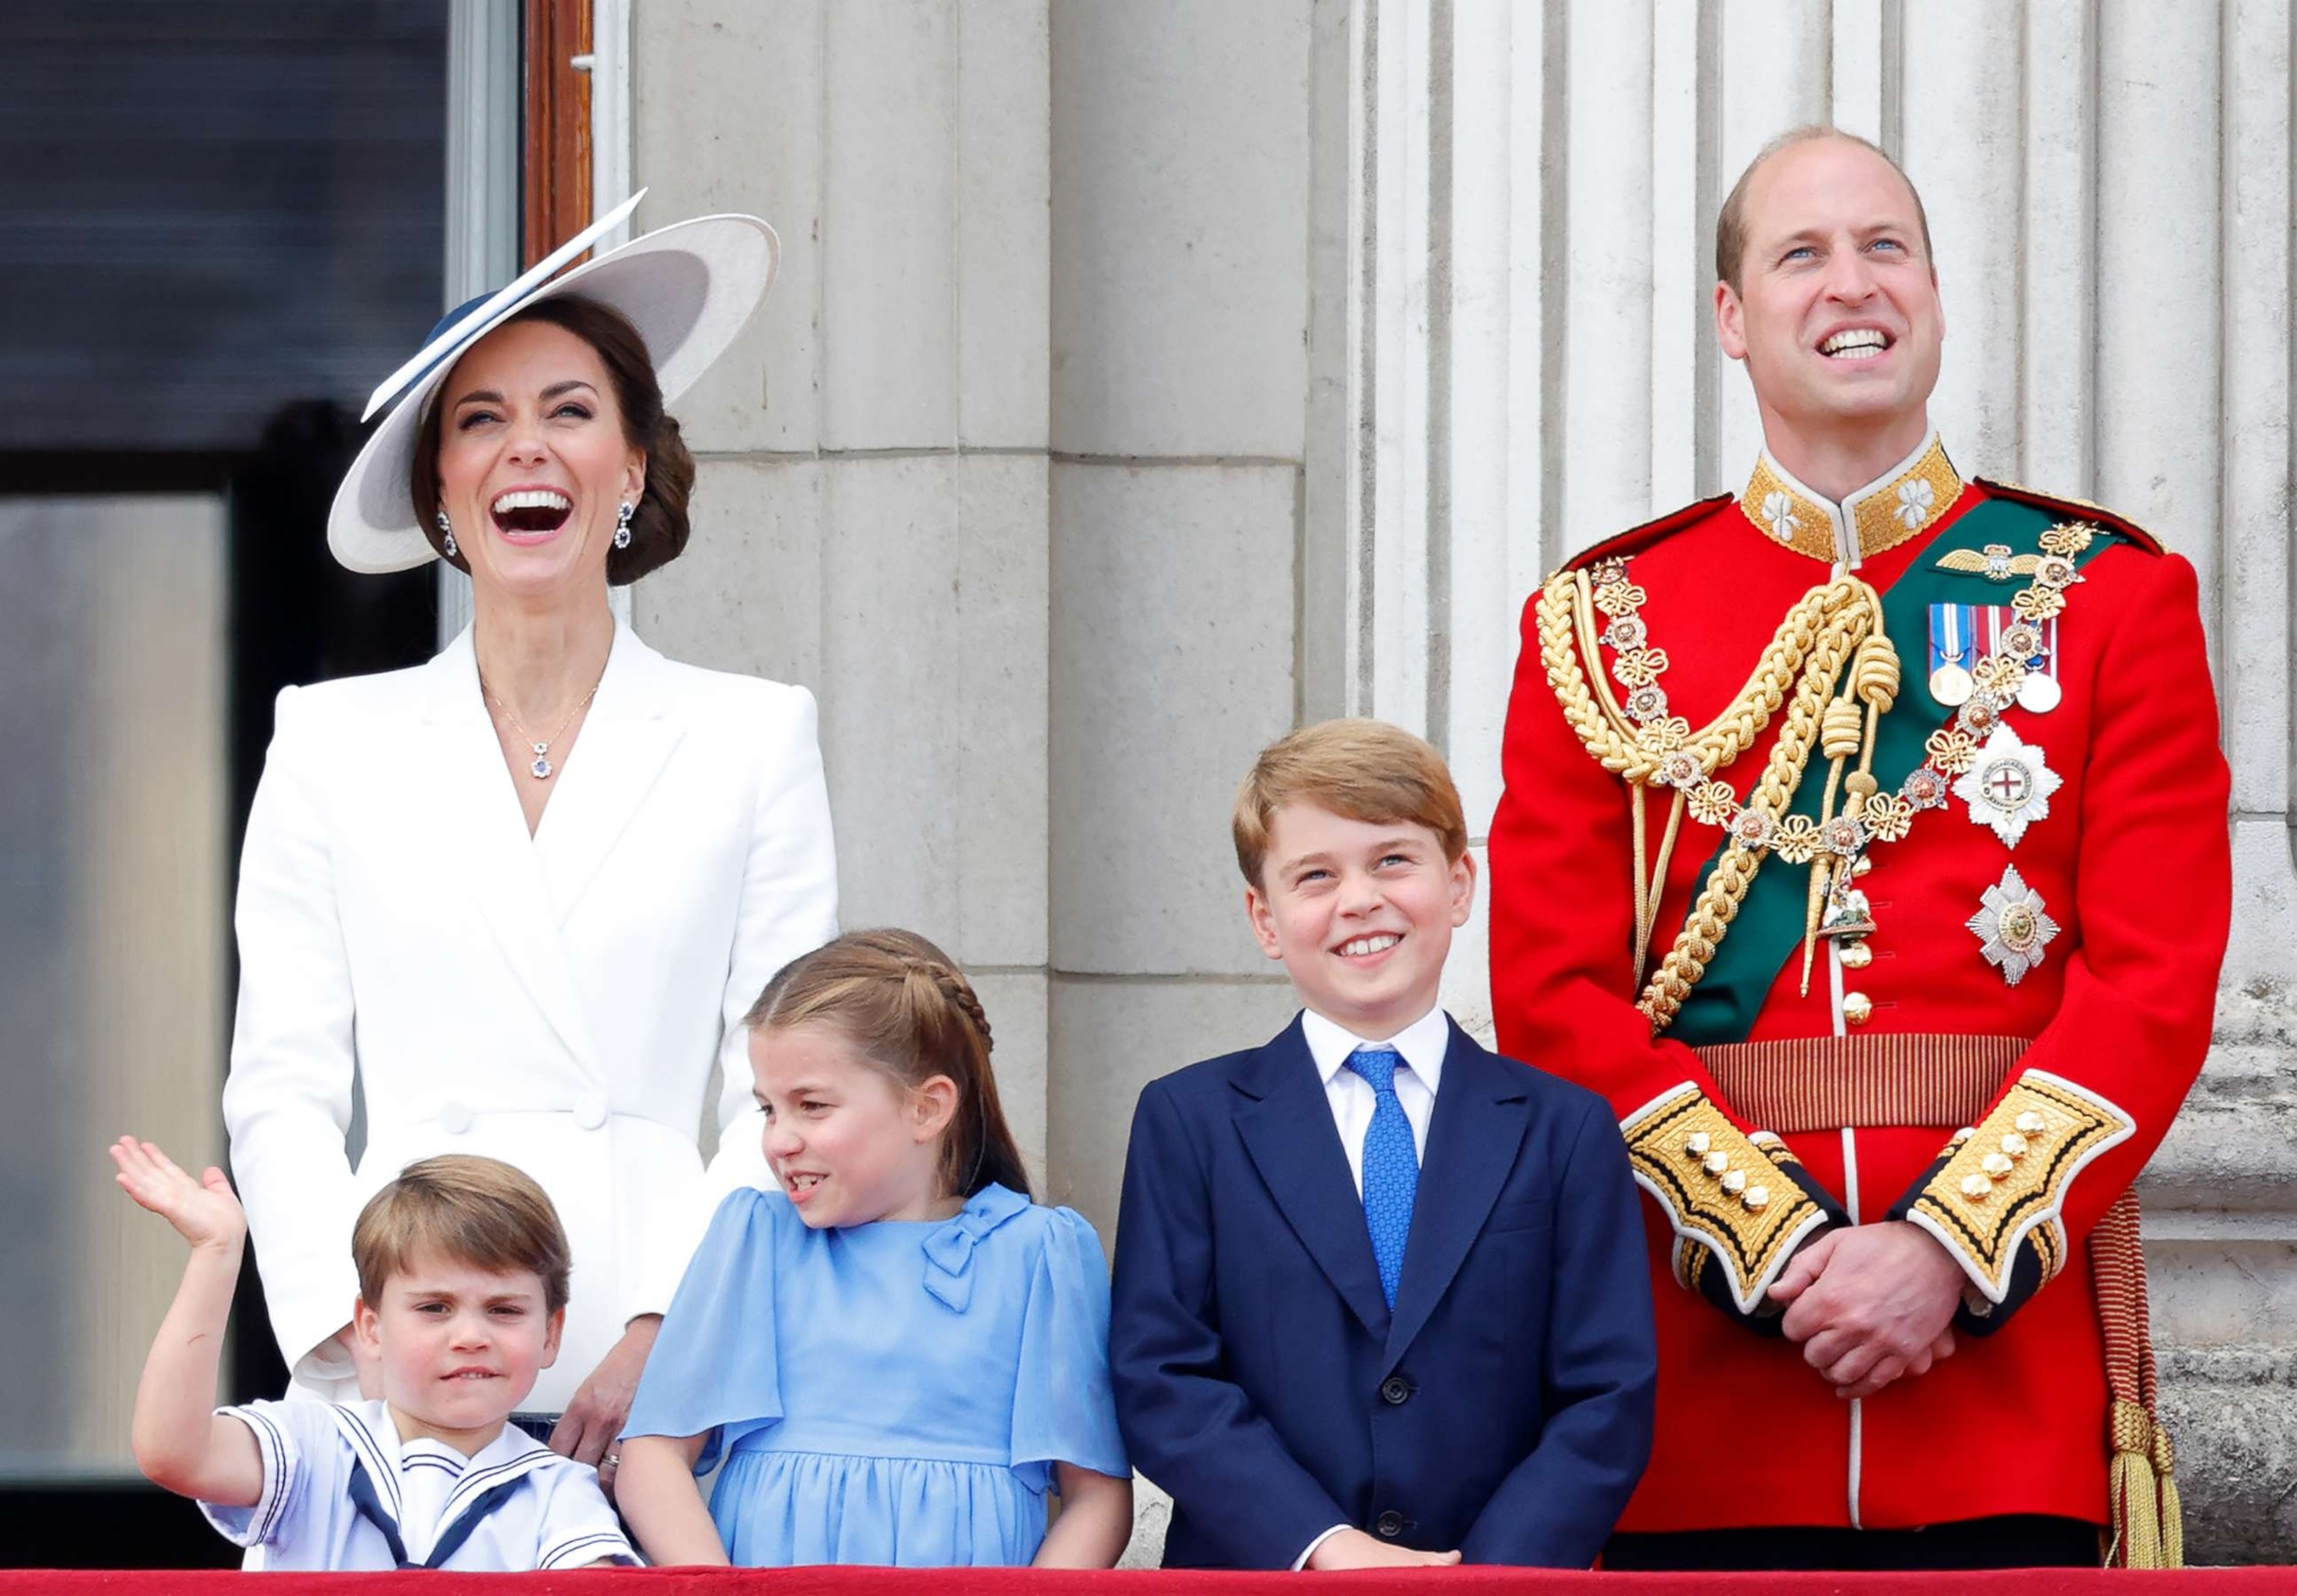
[(559, 1555), (273, 1444), (382, 1477), (479, 1481)]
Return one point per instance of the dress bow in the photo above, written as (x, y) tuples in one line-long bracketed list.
[(949, 1247)]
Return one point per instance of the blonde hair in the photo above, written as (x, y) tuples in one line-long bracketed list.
[(1731, 221), (1358, 768), (910, 1011), (476, 1212)]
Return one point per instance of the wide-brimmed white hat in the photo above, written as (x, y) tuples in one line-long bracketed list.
[(689, 288)]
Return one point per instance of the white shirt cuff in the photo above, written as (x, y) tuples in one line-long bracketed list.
[(1301, 1561)]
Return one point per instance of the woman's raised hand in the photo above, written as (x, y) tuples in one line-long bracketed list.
[(203, 1211)]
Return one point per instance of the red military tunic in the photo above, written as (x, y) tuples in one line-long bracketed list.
[(1905, 1034)]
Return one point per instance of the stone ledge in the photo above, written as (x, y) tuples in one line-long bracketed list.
[(2233, 1412)]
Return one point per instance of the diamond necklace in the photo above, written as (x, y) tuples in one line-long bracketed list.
[(542, 768)]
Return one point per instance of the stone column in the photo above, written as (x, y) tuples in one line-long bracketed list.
[(871, 513), (1197, 201)]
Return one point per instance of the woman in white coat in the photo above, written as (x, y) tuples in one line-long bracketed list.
[(522, 894)]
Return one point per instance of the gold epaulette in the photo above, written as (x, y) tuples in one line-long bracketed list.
[(2007, 1178), (1722, 1189)]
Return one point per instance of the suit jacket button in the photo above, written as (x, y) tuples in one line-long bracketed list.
[(1396, 1391), (1389, 1523), (455, 1119), (590, 1110)]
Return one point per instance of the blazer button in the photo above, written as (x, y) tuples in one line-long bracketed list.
[(1389, 1523), (1396, 1391), (455, 1119), (590, 1110)]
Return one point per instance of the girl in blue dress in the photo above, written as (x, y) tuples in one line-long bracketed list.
[(895, 1356)]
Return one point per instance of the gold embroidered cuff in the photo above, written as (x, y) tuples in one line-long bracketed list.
[(2008, 1182), (1722, 1190)]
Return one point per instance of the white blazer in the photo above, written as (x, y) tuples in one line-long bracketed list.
[(556, 1001)]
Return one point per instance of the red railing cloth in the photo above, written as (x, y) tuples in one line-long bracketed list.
[(1023, 1581)]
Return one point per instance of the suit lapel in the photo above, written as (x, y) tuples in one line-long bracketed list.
[(483, 833), (1482, 1108), (620, 752), (1286, 1122)]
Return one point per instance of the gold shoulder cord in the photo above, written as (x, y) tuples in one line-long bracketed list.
[(1835, 627)]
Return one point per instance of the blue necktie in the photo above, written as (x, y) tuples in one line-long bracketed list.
[(1391, 1166)]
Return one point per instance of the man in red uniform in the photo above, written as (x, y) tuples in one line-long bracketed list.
[(1865, 841)]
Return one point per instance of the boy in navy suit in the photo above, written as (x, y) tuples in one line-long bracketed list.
[(1381, 1296)]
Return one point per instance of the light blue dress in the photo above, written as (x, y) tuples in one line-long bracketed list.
[(896, 1392)]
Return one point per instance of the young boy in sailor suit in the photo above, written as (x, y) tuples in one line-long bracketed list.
[(461, 1271)]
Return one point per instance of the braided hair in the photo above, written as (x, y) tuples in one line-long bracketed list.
[(908, 1007)]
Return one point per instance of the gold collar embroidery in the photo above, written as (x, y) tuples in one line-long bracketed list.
[(1897, 505)]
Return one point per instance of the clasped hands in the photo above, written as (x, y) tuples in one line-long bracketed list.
[(1871, 1304)]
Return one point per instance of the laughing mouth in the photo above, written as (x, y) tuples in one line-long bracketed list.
[(1363, 946), (807, 1182), (528, 511), (1855, 344)]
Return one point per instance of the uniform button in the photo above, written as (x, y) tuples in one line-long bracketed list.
[(455, 1119), (590, 1110), (1857, 1008), (1856, 955), (1389, 1523), (1396, 1391)]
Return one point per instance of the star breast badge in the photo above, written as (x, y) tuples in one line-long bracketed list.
[(2011, 927), (2008, 787)]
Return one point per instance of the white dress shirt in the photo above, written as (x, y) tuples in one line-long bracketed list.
[(1423, 1045)]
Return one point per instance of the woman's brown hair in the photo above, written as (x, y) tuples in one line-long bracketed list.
[(905, 1004), (658, 528)]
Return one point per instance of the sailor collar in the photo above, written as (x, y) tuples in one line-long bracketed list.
[(1900, 503), (484, 1478)]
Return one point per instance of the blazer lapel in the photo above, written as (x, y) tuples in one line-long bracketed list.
[(1287, 1125), (1473, 1136), (483, 832), (620, 752)]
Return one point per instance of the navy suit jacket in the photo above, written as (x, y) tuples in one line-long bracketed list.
[(1503, 1408)]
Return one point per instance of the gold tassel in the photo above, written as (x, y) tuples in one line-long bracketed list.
[(2142, 1493), (2147, 1522), (2173, 1511)]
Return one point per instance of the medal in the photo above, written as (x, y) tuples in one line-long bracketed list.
[(1950, 683), (2010, 926), (2039, 694)]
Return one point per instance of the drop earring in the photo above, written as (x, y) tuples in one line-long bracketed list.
[(446, 531), (623, 525)]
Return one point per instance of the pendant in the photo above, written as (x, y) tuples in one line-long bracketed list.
[(2008, 787), (2010, 926), (1847, 913), (541, 769)]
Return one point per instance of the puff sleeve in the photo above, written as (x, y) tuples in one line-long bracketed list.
[(1064, 1410)]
